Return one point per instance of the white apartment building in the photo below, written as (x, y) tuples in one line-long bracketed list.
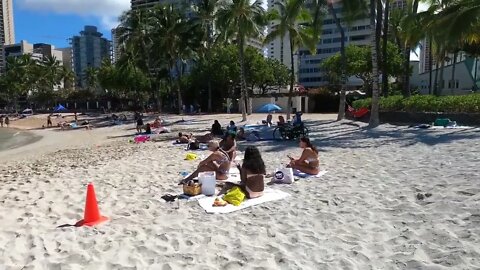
[(7, 31), (307, 65)]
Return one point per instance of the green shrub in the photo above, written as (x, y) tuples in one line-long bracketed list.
[(362, 103), (426, 103)]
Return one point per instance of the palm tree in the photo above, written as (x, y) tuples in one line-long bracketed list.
[(374, 112), (174, 38), (296, 22), (51, 70), (351, 9), (206, 12), (240, 19), (91, 78)]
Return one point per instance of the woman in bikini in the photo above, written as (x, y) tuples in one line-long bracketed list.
[(218, 161), (308, 161), (252, 173), (229, 146)]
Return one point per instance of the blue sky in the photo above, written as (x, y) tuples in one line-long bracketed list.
[(54, 21)]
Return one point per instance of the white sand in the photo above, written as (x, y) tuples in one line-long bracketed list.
[(363, 214)]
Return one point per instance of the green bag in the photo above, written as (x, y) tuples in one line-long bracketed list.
[(234, 196), (441, 122)]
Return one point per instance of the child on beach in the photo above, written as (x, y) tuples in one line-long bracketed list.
[(308, 161), (49, 121)]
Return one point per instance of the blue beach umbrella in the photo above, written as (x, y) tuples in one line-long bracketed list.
[(59, 108), (270, 107)]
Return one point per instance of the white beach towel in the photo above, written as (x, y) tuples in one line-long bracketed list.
[(305, 175), (268, 195)]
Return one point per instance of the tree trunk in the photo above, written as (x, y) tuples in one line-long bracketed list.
[(242, 79), (453, 84), (406, 74), (406, 83), (430, 63), (374, 115), (442, 67), (343, 61), (384, 52), (209, 94), (435, 89), (292, 79), (179, 92)]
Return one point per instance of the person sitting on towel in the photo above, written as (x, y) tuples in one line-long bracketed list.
[(217, 129), (252, 173), (218, 161), (232, 128), (241, 135), (183, 138), (308, 161), (229, 145), (148, 129)]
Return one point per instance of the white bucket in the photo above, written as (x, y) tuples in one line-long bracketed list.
[(208, 181)]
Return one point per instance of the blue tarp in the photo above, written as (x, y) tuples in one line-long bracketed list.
[(59, 108)]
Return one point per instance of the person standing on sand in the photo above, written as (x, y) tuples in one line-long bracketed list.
[(76, 117), (7, 121), (1, 120), (49, 121)]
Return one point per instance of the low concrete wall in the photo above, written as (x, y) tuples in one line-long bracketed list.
[(464, 119)]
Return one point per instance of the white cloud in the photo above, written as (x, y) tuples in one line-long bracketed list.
[(106, 10)]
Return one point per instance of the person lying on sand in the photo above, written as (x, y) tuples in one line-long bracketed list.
[(229, 145), (204, 138), (183, 138), (218, 161), (308, 161)]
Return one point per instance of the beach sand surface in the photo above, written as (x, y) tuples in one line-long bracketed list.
[(393, 198)]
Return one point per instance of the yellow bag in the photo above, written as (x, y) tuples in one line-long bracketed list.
[(234, 196), (191, 156)]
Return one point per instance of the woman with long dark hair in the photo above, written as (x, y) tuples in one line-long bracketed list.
[(252, 173), (308, 161)]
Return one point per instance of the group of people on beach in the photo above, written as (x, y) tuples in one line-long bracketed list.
[(4, 120), (252, 170)]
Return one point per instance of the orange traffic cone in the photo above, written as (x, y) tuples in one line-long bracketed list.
[(91, 216)]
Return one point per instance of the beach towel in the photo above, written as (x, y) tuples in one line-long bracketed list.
[(305, 175), (268, 195)]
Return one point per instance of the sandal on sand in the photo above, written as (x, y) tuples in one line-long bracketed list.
[(169, 197)]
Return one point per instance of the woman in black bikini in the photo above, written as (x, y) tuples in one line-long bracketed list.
[(218, 162)]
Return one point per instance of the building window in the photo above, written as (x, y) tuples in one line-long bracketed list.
[(358, 38)]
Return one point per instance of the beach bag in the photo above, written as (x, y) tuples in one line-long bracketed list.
[(283, 176), (190, 156), (234, 196)]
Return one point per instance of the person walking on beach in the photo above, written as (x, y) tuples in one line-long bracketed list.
[(1, 120), (49, 121), (76, 117), (7, 121)]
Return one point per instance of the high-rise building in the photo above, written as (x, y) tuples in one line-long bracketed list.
[(115, 45), (307, 65), (7, 33), (8, 25), (89, 50)]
